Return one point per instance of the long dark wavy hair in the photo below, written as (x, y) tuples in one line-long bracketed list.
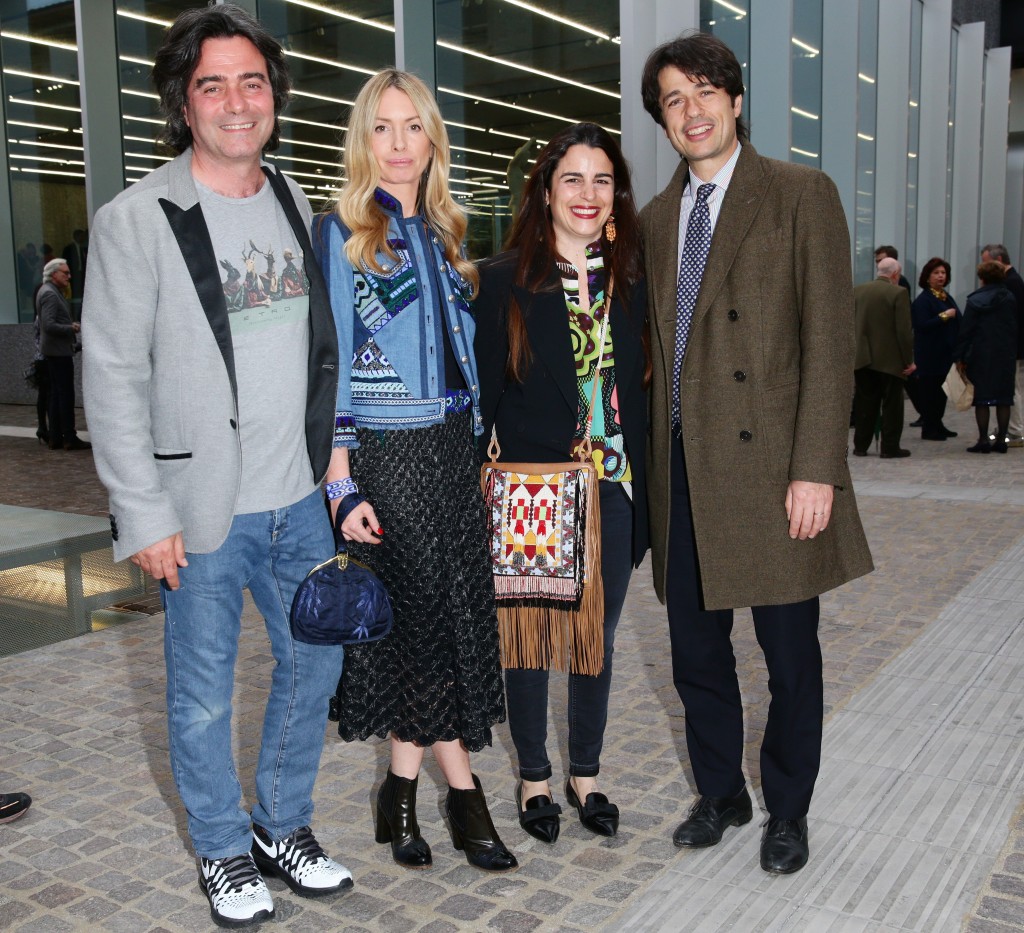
[(178, 57), (533, 235)]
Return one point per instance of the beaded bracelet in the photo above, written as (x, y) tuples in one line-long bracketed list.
[(342, 487)]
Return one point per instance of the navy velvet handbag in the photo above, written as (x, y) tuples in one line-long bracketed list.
[(341, 602)]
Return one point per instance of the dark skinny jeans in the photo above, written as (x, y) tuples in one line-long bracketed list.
[(527, 689)]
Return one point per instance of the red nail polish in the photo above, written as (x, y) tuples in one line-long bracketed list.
[(380, 532)]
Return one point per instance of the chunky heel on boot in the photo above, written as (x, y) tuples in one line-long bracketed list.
[(473, 832), (396, 822)]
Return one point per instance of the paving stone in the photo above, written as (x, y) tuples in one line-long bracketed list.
[(57, 895), (464, 907), (547, 902), (514, 921), (12, 912), (93, 908), (47, 924)]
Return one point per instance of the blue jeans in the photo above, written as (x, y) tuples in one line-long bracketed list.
[(267, 553), (526, 689)]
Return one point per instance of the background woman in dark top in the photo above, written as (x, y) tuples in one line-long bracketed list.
[(539, 316), (986, 353), (936, 321)]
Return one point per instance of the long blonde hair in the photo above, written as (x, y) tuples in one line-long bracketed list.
[(356, 205)]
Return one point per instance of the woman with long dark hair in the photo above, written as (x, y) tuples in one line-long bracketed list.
[(404, 473), (540, 314)]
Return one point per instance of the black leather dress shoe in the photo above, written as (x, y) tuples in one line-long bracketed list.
[(709, 817), (895, 454), (596, 813), (538, 816), (784, 845)]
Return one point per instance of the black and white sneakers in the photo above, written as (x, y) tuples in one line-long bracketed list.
[(13, 806), (299, 862), (237, 892)]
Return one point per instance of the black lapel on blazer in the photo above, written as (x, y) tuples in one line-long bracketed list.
[(548, 327), (625, 337), (193, 236)]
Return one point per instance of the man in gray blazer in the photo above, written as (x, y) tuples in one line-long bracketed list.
[(212, 430), (751, 314), (885, 357)]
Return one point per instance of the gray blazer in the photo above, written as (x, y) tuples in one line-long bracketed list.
[(56, 335), (159, 373)]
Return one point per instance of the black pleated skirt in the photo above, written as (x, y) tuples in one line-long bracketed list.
[(436, 677)]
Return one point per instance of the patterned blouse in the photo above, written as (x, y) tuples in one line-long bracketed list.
[(609, 449)]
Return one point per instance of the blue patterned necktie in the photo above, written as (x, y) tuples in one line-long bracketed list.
[(691, 270)]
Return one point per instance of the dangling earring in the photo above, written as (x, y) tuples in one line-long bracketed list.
[(609, 230)]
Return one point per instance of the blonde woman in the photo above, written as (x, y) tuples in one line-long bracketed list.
[(404, 473)]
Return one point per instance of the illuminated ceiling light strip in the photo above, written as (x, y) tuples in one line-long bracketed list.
[(501, 103), (803, 152), (39, 103), (148, 155), (36, 142), (39, 126), (351, 17), (39, 158), (40, 77), (334, 148), (330, 100), (285, 158), (130, 14), (561, 19), (330, 62), (326, 126), (475, 168), (46, 171), (913, 103), (865, 137), (865, 77), (141, 139), (52, 43), (534, 71), (155, 120), (911, 155), (804, 113), (145, 169), (731, 8), (148, 94), (465, 126), (805, 46), (496, 155)]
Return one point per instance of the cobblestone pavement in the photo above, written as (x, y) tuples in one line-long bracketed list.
[(104, 846)]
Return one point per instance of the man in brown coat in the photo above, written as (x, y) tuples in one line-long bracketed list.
[(885, 357), (750, 497)]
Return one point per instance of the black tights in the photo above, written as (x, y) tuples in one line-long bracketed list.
[(1002, 421)]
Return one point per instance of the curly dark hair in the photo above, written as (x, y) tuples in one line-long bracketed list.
[(178, 57), (930, 266), (701, 57)]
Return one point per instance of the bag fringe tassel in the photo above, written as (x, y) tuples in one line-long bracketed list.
[(545, 635)]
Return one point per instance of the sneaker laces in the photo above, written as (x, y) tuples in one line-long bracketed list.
[(237, 870), (304, 840)]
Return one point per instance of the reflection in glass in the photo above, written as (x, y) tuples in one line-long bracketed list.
[(729, 20), (909, 254), (867, 94), (44, 144), (805, 109), (509, 75), (330, 51), (953, 48)]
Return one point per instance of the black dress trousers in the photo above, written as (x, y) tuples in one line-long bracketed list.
[(704, 671)]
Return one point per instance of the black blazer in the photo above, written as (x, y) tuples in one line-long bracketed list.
[(537, 418)]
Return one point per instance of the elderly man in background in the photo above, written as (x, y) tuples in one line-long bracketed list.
[(885, 357)]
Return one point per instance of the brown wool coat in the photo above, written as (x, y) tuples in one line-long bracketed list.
[(765, 387)]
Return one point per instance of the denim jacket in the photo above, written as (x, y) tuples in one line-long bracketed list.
[(389, 327)]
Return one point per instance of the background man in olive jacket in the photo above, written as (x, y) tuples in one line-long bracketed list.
[(885, 357), (750, 496)]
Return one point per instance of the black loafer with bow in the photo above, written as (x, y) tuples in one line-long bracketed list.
[(538, 816), (784, 847), (596, 813)]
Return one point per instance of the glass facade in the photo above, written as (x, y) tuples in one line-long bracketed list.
[(508, 74), (867, 97), (43, 123), (805, 109)]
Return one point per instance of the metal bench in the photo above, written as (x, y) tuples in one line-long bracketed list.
[(55, 570)]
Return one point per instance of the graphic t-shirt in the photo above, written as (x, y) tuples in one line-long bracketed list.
[(266, 290)]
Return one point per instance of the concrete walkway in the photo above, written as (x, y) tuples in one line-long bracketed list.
[(917, 823)]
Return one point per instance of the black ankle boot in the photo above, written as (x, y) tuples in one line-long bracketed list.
[(473, 831), (396, 822)]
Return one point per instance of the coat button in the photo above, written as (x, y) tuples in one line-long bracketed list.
[(465, 359), (745, 435), (739, 375), (233, 425), (457, 329), (451, 297), (733, 314)]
